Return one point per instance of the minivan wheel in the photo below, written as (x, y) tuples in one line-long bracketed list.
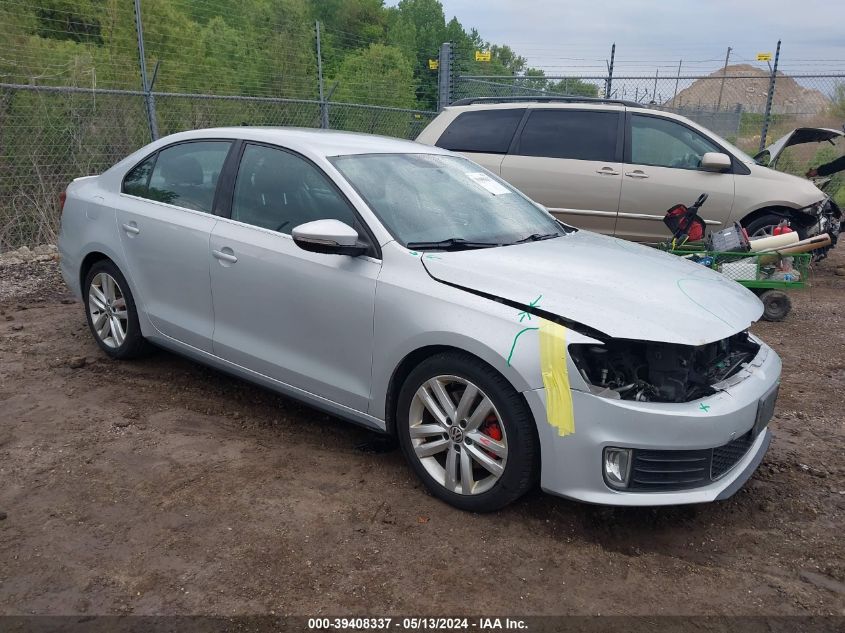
[(111, 313), (764, 226), (467, 433)]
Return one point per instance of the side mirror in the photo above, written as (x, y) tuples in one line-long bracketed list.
[(329, 237), (715, 161)]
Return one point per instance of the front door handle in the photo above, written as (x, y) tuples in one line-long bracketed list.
[(637, 173), (131, 228), (607, 171), (226, 257)]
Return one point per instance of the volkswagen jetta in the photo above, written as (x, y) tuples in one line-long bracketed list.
[(407, 289)]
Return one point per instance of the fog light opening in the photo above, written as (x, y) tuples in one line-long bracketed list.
[(617, 467)]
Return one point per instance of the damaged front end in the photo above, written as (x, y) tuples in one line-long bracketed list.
[(822, 217), (647, 371)]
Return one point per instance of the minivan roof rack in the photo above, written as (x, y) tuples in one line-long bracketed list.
[(545, 99)]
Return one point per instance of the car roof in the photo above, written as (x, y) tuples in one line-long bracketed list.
[(589, 104), (312, 141), (545, 105)]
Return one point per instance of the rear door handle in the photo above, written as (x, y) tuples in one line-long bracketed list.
[(636, 174), (226, 257), (607, 171), (131, 228)]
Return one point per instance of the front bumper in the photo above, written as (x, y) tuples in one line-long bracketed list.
[(572, 464)]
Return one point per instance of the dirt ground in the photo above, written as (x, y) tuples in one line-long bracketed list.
[(160, 486)]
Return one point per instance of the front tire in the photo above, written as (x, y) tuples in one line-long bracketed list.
[(111, 312), (764, 226), (466, 433)]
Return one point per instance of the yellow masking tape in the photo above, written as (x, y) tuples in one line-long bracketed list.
[(556, 377)]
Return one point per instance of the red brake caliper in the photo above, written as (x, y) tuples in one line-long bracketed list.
[(491, 429)]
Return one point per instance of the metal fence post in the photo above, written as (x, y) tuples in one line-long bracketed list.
[(609, 82), (724, 74), (149, 99), (324, 107), (444, 76), (677, 81), (768, 114)]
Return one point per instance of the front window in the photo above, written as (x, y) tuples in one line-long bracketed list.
[(664, 143), (429, 198), (279, 190)]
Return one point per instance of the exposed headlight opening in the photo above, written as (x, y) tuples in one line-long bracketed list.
[(660, 372)]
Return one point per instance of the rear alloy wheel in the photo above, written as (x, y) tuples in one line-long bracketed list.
[(107, 308), (111, 312), (467, 433)]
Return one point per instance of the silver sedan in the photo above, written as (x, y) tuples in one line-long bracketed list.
[(405, 288)]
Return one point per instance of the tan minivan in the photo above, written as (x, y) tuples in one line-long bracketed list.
[(615, 167)]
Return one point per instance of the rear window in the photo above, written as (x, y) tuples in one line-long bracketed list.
[(485, 131), (576, 134)]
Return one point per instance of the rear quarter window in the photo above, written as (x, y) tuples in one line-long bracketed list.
[(138, 179), (483, 131)]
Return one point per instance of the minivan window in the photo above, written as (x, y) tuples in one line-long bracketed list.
[(663, 143), (575, 134), (186, 174), (278, 190), (484, 131)]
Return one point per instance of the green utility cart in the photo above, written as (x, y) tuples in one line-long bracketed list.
[(768, 275)]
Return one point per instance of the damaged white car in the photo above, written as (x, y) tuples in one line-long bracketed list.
[(405, 288), (828, 216)]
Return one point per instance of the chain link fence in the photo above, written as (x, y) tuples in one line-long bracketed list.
[(74, 98), (84, 83), (50, 135)]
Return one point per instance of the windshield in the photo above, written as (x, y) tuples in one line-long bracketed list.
[(423, 199)]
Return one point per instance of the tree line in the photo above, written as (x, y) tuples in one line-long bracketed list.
[(371, 53)]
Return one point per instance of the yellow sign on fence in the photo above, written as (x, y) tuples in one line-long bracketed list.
[(764, 57), (433, 64), (483, 56)]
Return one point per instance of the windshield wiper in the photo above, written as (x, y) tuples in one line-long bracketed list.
[(536, 237), (450, 244)]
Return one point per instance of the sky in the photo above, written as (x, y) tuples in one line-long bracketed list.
[(574, 36)]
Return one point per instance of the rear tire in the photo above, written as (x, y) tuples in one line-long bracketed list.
[(776, 305), (484, 434), (111, 312)]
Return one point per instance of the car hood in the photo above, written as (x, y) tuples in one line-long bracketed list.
[(798, 136), (619, 288)]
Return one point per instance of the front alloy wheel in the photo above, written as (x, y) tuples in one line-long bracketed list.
[(458, 435), (467, 433)]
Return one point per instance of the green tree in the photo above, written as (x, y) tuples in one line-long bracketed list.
[(378, 75)]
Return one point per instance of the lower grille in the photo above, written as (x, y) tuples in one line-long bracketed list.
[(726, 457), (659, 471)]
